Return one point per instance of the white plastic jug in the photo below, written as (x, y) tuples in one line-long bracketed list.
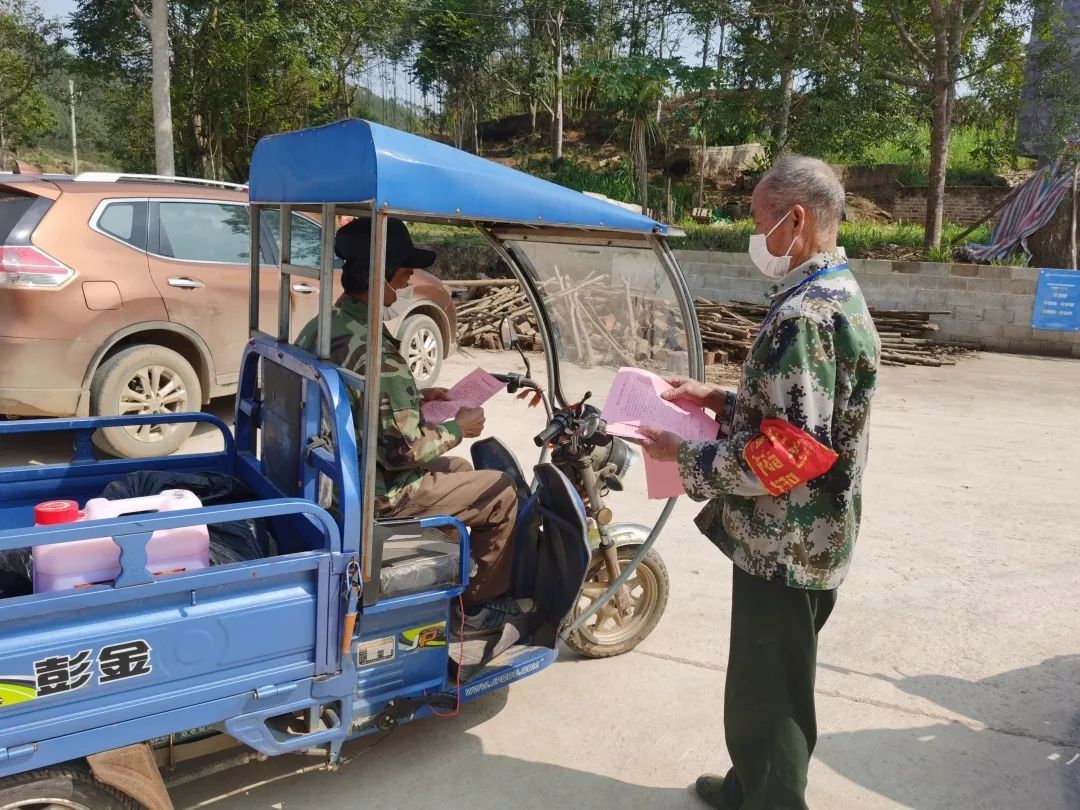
[(91, 562)]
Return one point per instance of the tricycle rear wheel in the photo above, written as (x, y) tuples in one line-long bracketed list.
[(608, 632), (65, 787)]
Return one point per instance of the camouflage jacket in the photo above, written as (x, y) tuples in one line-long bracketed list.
[(813, 364), (406, 442)]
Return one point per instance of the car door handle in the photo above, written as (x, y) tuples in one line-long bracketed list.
[(185, 283), (303, 289)]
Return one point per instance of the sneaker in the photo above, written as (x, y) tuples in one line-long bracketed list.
[(491, 618)]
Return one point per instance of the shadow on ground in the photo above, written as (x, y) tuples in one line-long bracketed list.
[(433, 763), (1031, 738)]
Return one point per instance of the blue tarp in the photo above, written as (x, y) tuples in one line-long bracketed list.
[(355, 161)]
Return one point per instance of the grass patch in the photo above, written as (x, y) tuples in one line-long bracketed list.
[(53, 161), (859, 239), (445, 234), (970, 161)]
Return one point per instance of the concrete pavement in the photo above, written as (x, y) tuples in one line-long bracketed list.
[(950, 670)]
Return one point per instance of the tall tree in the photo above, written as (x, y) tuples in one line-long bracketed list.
[(786, 44), (630, 88), (945, 44), (157, 26), (455, 40), (30, 48)]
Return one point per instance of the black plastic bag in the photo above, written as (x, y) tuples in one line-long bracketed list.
[(15, 568), (230, 542)]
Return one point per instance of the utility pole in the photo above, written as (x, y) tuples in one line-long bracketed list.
[(74, 141)]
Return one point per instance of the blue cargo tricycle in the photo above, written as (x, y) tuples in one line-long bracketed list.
[(111, 692)]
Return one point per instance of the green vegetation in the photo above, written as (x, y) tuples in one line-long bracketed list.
[(974, 159), (860, 239), (554, 82)]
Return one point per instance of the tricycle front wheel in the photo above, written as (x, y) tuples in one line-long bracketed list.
[(65, 787), (612, 631)]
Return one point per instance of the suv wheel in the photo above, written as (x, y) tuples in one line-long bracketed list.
[(144, 380), (422, 345)]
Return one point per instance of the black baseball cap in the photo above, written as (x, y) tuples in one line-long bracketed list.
[(353, 244)]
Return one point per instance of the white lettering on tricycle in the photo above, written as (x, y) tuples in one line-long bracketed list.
[(500, 680)]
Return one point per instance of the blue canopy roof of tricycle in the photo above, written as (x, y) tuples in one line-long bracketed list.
[(356, 161)]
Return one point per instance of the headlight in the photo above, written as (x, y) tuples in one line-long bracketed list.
[(611, 461)]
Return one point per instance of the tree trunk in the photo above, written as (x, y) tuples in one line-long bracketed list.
[(475, 127), (641, 160), (706, 37), (558, 84), (164, 157), (787, 81), (701, 170), (941, 89)]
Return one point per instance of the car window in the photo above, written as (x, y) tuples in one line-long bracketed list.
[(126, 221), (204, 232), (306, 237)]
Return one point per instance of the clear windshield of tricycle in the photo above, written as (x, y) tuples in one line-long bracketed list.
[(608, 307)]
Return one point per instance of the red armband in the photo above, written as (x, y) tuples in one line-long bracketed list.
[(783, 457)]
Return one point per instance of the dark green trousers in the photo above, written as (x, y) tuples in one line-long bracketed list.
[(769, 718)]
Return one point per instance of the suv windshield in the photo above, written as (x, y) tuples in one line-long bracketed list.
[(608, 307)]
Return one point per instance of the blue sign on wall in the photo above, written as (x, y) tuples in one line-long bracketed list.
[(1057, 301)]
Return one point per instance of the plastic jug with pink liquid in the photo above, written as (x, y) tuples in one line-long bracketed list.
[(91, 562)]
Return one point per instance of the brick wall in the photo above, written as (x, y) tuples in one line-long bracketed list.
[(963, 204), (986, 306)]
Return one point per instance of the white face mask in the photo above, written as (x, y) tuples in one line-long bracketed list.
[(767, 263)]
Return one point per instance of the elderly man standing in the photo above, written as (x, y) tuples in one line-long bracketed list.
[(784, 480)]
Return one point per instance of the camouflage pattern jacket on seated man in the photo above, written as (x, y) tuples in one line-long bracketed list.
[(786, 483), (406, 442)]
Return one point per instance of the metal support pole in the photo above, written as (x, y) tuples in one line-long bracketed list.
[(285, 282), (372, 387), (255, 262), (326, 277), (695, 352), (74, 141)]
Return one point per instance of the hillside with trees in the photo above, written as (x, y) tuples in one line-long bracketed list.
[(597, 94)]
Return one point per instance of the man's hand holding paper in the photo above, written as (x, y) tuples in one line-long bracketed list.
[(470, 392), (637, 408)]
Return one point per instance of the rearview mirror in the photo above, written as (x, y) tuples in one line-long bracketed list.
[(508, 334)]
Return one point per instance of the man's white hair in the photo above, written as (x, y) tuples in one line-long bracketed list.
[(799, 180)]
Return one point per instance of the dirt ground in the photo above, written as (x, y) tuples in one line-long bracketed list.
[(949, 672)]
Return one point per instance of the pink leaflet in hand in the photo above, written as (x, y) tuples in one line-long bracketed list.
[(635, 402), (471, 391)]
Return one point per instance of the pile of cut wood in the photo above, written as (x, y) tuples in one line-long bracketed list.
[(727, 331), (610, 326), (599, 324)]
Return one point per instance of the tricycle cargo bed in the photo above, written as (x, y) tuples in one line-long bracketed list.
[(89, 669)]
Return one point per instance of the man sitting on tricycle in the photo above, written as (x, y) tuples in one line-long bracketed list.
[(413, 476)]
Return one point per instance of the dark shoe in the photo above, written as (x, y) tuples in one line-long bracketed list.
[(491, 618), (710, 788)]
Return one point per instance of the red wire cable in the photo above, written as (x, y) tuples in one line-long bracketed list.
[(461, 652)]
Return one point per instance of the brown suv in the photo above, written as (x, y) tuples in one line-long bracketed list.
[(127, 295)]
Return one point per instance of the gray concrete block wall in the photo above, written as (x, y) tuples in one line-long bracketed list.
[(987, 306)]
